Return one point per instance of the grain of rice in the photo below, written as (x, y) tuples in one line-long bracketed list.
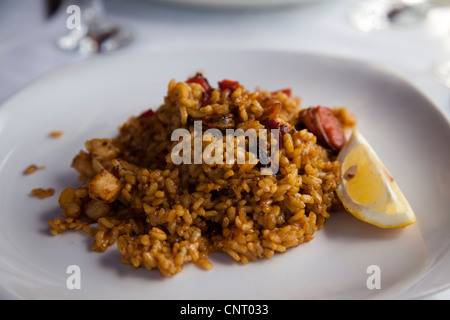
[(167, 215)]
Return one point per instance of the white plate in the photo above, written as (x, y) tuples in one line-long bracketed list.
[(91, 99)]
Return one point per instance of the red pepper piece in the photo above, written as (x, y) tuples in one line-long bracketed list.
[(206, 98), (228, 85), (286, 91), (147, 114), (275, 124), (201, 80), (271, 124)]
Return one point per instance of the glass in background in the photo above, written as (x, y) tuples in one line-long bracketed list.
[(390, 14), (386, 14), (438, 24), (96, 32)]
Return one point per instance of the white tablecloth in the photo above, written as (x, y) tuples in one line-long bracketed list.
[(27, 39)]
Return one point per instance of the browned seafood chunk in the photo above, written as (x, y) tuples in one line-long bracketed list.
[(219, 121), (272, 108)]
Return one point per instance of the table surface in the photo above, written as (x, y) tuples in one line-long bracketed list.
[(27, 38)]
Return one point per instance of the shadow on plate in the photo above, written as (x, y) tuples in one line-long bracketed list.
[(344, 226)]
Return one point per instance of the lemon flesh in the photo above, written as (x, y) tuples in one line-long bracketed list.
[(367, 190)]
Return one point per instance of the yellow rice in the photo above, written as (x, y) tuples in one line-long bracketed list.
[(165, 215)]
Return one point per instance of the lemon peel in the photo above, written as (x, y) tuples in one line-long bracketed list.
[(367, 189)]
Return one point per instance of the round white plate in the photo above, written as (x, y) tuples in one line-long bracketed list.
[(91, 99)]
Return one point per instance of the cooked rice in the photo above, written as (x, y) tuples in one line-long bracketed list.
[(32, 168), (56, 134), (42, 193), (163, 215)]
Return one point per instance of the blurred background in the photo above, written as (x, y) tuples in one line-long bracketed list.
[(411, 37), (30, 31)]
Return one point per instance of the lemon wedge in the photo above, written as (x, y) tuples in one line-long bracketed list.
[(366, 188)]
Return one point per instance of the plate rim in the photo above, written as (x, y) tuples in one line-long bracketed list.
[(373, 66), (368, 64)]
